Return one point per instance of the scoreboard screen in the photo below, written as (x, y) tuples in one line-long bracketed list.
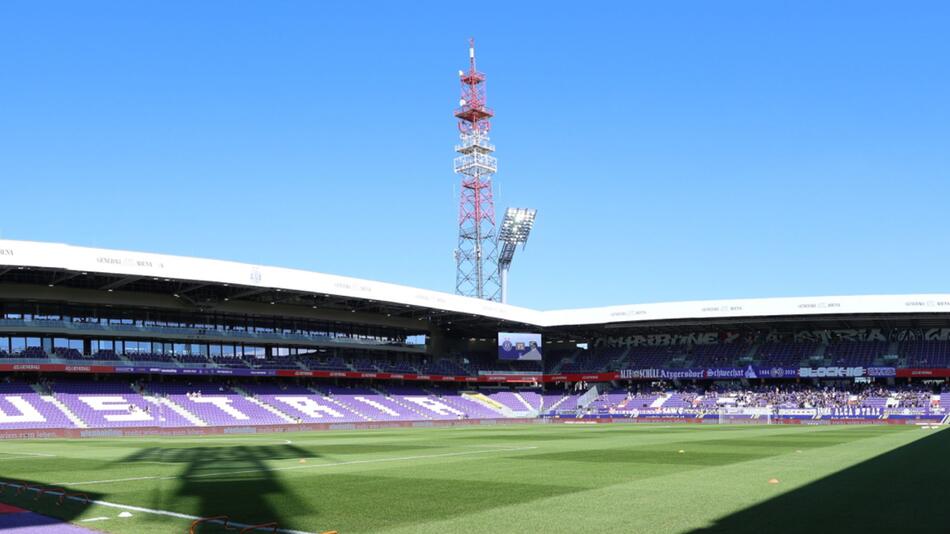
[(519, 346)]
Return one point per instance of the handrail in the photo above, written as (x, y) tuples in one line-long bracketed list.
[(211, 519), (73, 496), (251, 528)]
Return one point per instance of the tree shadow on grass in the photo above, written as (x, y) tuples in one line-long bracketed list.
[(903, 490), (246, 484), (237, 482)]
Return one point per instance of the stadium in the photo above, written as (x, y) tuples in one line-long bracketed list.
[(177, 389), (180, 178)]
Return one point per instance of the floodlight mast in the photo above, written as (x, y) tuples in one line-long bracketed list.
[(515, 229), (476, 257)]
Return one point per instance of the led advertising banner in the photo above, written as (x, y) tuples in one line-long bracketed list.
[(519, 346)]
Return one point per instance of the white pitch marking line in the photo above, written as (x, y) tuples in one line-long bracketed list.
[(178, 515), (91, 519), (149, 510), (20, 453), (310, 466), (91, 482)]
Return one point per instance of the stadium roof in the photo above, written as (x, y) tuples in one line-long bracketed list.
[(186, 277)]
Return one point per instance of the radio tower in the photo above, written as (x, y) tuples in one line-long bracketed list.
[(476, 257)]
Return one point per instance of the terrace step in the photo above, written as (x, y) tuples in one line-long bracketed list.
[(567, 359), (341, 405), (400, 403), (451, 402), (527, 405), (175, 407), (66, 411), (489, 403), (555, 405), (660, 401), (381, 407), (269, 408), (621, 360)]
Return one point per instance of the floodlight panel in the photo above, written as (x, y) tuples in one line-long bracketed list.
[(517, 225)]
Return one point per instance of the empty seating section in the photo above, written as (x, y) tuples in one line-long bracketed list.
[(431, 406), (471, 408), (397, 367), (106, 356), (23, 408), (370, 403), (719, 355), (364, 365), (112, 404), (610, 399), (518, 366), (115, 404), (784, 354), (216, 405), (550, 401), (148, 357), (193, 359), (854, 353), (681, 399), (231, 362), (652, 357), (567, 403), (861, 399), (75, 402), (277, 362), (446, 367), (739, 353), (33, 352), (592, 360), (509, 399), (324, 363), (533, 398), (67, 354), (926, 353)]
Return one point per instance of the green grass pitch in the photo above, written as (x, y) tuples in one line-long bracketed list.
[(505, 478)]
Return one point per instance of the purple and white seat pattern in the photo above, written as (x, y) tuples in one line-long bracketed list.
[(114, 404)]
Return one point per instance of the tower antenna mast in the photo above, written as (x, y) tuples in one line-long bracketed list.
[(476, 258)]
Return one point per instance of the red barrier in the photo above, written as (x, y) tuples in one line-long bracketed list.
[(775, 421), (74, 433), (924, 372), (499, 378)]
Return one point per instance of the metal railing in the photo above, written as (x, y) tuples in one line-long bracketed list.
[(187, 334)]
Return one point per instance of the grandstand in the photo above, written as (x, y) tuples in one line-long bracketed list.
[(106, 339), (177, 373)]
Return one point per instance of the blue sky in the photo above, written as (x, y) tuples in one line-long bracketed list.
[(674, 150)]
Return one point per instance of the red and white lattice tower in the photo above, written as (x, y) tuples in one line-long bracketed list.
[(476, 256)]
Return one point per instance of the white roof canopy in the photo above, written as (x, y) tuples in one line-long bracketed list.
[(162, 266)]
